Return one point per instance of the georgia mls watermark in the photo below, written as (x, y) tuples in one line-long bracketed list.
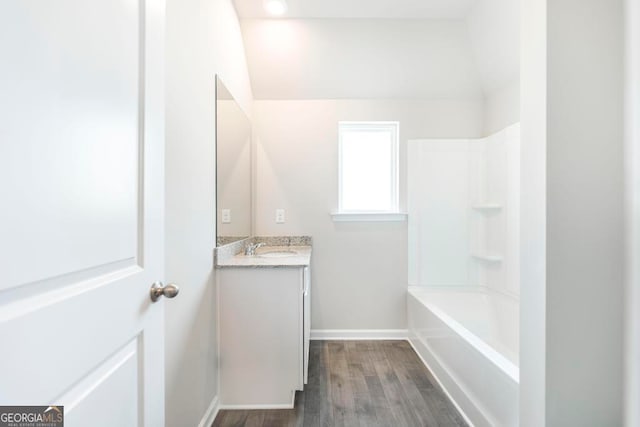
[(31, 416)]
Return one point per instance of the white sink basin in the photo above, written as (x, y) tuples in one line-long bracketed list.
[(277, 254)]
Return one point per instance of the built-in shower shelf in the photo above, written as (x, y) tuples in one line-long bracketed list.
[(487, 258), (487, 207)]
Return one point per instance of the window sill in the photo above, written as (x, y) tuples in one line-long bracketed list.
[(368, 216)]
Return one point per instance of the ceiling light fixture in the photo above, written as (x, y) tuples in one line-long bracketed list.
[(275, 7)]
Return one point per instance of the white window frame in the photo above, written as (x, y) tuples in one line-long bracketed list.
[(392, 214)]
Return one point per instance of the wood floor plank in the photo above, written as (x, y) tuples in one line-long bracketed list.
[(438, 410), (445, 411), (326, 406), (342, 398), (393, 390), (421, 379), (402, 367), (356, 370), (233, 418), (359, 383), (255, 419), (365, 349), (313, 396), (279, 418), (380, 402), (298, 411)]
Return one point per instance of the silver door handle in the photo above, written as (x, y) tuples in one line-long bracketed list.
[(158, 290)]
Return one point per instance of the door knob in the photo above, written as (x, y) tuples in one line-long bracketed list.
[(158, 290)]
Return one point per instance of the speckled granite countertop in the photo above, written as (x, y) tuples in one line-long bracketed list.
[(302, 258)]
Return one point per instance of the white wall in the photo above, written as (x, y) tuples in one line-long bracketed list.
[(585, 212), (360, 58), (502, 107), (494, 31), (203, 38), (632, 156), (572, 213), (533, 229), (359, 269)]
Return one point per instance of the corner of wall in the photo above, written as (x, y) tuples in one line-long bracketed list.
[(502, 107), (632, 208), (203, 39)]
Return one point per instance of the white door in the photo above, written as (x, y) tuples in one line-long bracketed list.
[(81, 208)]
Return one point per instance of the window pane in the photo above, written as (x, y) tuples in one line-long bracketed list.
[(367, 162)]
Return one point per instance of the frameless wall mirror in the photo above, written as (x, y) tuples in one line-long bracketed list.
[(233, 168)]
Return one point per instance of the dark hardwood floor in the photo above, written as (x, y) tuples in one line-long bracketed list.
[(359, 383)]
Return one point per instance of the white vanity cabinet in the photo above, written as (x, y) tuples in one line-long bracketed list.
[(264, 327)]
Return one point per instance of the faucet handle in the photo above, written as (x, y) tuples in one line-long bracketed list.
[(250, 249)]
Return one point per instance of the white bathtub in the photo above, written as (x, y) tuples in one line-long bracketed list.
[(469, 339)]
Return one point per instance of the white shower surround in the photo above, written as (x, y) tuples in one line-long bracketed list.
[(463, 301), (463, 204)]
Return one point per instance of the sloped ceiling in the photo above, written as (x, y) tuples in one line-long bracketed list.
[(362, 58), (337, 50), (391, 9)]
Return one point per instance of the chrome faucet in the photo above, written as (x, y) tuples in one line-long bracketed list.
[(250, 249)]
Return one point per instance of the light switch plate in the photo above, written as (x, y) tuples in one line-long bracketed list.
[(226, 216), (279, 216)]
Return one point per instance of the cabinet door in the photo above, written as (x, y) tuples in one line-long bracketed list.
[(260, 336), (306, 280)]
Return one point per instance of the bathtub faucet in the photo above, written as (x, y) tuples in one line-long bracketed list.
[(250, 249)]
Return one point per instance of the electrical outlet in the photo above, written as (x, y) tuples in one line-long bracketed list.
[(226, 216), (279, 216)]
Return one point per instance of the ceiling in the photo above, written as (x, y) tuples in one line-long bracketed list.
[(391, 9), (327, 49)]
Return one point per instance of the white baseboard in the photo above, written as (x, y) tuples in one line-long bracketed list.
[(250, 407), (210, 415), (359, 334), (265, 406)]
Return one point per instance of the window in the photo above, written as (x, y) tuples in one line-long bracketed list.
[(368, 168)]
